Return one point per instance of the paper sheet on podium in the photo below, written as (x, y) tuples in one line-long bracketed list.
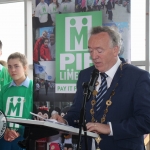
[(51, 124), (49, 120)]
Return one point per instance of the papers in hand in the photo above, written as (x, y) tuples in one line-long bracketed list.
[(49, 120)]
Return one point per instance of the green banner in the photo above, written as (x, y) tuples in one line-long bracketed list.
[(72, 34)]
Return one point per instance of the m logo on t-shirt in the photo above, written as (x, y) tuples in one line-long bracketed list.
[(44, 10), (14, 106)]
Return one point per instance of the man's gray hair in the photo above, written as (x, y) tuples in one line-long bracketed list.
[(112, 32)]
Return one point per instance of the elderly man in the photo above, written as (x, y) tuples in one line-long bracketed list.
[(120, 111)]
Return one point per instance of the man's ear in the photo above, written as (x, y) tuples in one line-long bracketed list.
[(116, 50)]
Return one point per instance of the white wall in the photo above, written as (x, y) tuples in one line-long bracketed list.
[(16, 29)]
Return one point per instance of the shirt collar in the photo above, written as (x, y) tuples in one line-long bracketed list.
[(25, 83), (111, 72), (1, 67)]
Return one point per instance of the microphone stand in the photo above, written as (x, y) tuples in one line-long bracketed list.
[(82, 122)]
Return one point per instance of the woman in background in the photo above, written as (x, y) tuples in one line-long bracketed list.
[(53, 10), (16, 100)]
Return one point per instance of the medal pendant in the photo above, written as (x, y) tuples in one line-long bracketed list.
[(98, 139)]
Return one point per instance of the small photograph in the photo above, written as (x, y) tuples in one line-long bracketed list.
[(44, 80), (44, 11), (44, 86), (111, 9), (40, 14), (44, 44), (108, 7)]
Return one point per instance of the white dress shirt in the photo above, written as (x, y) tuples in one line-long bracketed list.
[(111, 72)]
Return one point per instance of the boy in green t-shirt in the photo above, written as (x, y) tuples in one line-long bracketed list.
[(16, 100), (4, 75)]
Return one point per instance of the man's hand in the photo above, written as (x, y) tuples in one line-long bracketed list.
[(58, 118), (98, 128)]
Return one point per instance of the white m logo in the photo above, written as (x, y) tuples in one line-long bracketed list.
[(76, 33)]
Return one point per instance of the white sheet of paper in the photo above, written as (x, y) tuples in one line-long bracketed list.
[(49, 120)]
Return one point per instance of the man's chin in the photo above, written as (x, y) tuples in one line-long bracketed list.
[(98, 67)]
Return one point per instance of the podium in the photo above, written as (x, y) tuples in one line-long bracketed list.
[(35, 129)]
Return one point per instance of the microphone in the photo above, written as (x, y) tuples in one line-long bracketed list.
[(92, 82)]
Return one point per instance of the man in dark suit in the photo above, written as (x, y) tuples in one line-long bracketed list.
[(123, 116)]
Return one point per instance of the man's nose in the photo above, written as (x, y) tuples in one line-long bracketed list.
[(94, 54)]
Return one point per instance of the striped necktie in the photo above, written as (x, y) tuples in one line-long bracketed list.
[(102, 90)]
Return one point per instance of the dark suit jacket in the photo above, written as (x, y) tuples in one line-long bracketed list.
[(129, 113)]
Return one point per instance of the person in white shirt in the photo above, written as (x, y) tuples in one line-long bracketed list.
[(67, 6), (41, 11), (53, 9)]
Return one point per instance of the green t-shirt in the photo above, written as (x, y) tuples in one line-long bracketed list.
[(4, 76), (17, 102)]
